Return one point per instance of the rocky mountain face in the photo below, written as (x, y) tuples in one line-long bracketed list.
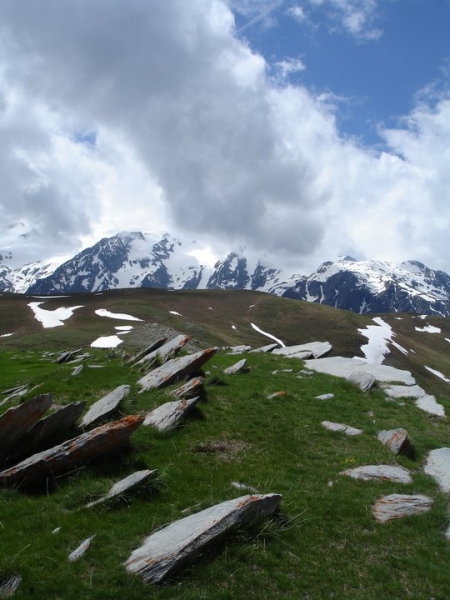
[(146, 260)]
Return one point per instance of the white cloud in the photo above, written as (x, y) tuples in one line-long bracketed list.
[(353, 16), (189, 134)]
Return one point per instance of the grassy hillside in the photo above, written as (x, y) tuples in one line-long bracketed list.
[(325, 543)]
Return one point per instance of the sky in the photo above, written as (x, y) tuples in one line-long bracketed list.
[(297, 131)]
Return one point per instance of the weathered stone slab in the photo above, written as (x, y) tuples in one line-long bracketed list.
[(397, 440), (165, 351), (325, 397), (365, 381), (82, 548), (340, 366), (267, 348), (151, 348), (170, 549), (167, 415), (126, 485), (236, 368), (16, 421), (175, 370), (437, 466), (77, 370), (278, 394), (191, 388), (58, 421), (106, 406), (77, 451), (347, 429), (380, 472), (314, 349), (396, 506)]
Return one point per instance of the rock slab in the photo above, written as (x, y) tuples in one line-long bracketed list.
[(365, 381), (396, 506), (105, 407), (125, 485), (397, 440), (190, 388), (380, 472), (170, 549), (347, 429), (78, 451), (168, 349), (236, 368), (167, 415), (438, 466), (175, 370)]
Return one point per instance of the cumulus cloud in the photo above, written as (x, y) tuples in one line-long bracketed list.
[(143, 114), (356, 17)]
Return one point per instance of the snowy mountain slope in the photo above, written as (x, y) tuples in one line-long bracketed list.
[(374, 286), (136, 259)]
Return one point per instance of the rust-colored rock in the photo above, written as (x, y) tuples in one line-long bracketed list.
[(165, 351), (168, 415), (147, 350), (16, 421), (74, 452), (189, 389), (175, 370), (396, 506), (397, 441)]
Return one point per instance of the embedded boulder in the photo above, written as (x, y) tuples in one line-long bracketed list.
[(380, 472), (396, 506), (397, 441), (365, 381), (170, 549)]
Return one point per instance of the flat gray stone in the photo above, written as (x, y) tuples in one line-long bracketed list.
[(347, 429), (365, 381), (380, 472), (340, 366), (437, 465), (106, 406), (175, 370), (170, 549), (9, 585), (314, 349), (77, 370), (126, 485), (325, 397), (397, 440), (236, 368), (16, 421), (238, 349), (67, 356), (396, 506), (164, 352), (78, 451), (168, 415), (190, 388)]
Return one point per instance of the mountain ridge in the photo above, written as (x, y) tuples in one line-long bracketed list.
[(138, 259)]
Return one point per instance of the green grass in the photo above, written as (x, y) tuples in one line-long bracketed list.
[(325, 543)]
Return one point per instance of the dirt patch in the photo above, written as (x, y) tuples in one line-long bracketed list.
[(226, 450)]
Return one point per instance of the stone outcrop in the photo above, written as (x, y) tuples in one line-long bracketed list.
[(397, 441), (151, 348), (77, 451), (325, 397), (380, 472), (67, 356), (265, 349), (16, 421), (168, 415), (365, 381), (304, 351), (191, 388), (82, 548), (106, 406), (396, 506), (340, 366), (347, 429), (175, 370), (170, 549)]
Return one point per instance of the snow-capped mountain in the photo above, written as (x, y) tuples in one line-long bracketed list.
[(150, 260), (374, 287)]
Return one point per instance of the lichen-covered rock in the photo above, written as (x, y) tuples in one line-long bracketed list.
[(74, 452), (170, 549), (397, 441), (396, 506)]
